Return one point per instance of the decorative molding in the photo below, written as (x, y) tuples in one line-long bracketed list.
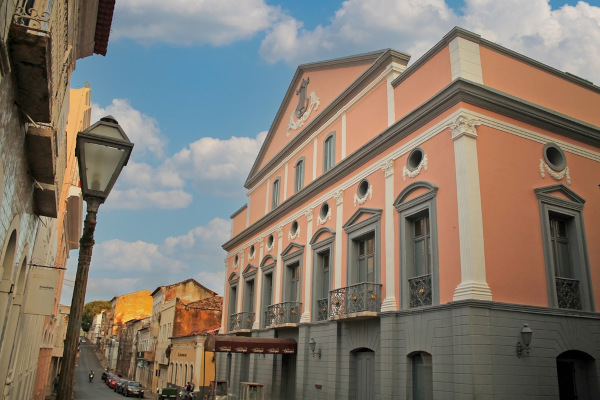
[(309, 214), (292, 237), (413, 174), (388, 167), (295, 124), (327, 217), (464, 126), (556, 175), (280, 231), (261, 242), (363, 200), (269, 248), (339, 197)]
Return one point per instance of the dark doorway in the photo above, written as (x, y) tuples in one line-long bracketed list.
[(288, 376), (364, 374), (576, 376)]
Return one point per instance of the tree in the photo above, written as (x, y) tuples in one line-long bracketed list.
[(90, 310)]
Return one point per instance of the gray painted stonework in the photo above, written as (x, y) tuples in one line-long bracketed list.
[(472, 346)]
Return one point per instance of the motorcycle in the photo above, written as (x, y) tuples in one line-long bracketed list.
[(91, 376)]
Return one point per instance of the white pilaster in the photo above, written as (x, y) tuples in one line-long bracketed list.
[(314, 171), (465, 60), (390, 100), (307, 267), (285, 182), (343, 136), (278, 267), (258, 292), (267, 199), (470, 221), (389, 303), (337, 272)]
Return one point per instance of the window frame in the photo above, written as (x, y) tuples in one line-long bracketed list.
[(276, 194), (299, 175), (233, 288), (249, 276), (319, 247), (268, 269), (570, 209), (290, 256), (356, 230), (408, 211), (329, 152)]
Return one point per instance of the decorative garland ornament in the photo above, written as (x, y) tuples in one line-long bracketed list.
[(362, 200), (321, 221), (556, 175), (413, 174), (294, 236)]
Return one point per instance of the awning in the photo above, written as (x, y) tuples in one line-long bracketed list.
[(244, 344)]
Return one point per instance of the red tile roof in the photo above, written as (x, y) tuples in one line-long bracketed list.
[(106, 9)]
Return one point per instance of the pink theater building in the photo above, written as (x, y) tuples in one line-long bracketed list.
[(428, 232)]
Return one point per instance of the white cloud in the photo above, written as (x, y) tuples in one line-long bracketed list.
[(119, 267), (567, 38), (186, 22), (141, 129), (141, 198), (215, 166)]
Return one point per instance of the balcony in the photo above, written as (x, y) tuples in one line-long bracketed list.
[(241, 322), (359, 301), (42, 164), (420, 291), (286, 314), (30, 51), (567, 293), (322, 306)]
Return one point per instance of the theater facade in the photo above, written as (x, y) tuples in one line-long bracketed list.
[(421, 232)]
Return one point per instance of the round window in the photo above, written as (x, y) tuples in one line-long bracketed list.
[(236, 260), (415, 157), (363, 188), (294, 229), (270, 241), (554, 156), (251, 251), (324, 211)]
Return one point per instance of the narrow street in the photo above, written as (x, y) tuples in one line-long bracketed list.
[(83, 388)]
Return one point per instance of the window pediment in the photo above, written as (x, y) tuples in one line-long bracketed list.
[(405, 200), (233, 278), (322, 234), (559, 194), (249, 271), (292, 250), (363, 216), (267, 262)]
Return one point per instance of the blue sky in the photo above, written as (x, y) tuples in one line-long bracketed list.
[(196, 85)]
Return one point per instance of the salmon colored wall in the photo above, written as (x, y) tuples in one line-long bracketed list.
[(532, 84), (327, 85), (239, 222), (367, 119), (307, 153), (519, 275), (256, 202), (431, 77)]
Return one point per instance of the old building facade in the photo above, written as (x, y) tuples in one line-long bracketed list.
[(40, 206), (408, 228)]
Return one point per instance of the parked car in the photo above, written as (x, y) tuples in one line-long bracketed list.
[(167, 393), (113, 382), (119, 385), (104, 375), (110, 378), (134, 389)]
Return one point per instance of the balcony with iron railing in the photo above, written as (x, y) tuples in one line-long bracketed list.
[(241, 322), (322, 309), (286, 314), (567, 293), (362, 300), (420, 291)]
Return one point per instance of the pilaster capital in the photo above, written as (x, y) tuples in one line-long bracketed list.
[(464, 126)]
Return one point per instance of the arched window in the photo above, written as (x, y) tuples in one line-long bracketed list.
[(275, 195), (299, 175), (329, 152)]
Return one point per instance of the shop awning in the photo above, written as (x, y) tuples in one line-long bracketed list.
[(244, 344)]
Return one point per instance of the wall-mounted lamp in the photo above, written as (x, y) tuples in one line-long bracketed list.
[(526, 333), (313, 344)]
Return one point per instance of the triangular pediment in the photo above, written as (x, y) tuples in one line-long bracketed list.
[(292, 248), (315, 93), (363, 215), (249, 270), (559, 191)]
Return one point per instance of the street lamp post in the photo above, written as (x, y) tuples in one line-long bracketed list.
[(102, 150)]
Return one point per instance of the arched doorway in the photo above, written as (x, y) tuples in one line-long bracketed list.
[(364, 374), (576, 373), (422, 376)]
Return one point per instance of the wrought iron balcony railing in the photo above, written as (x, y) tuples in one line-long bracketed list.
[(322, 306), (241, 321), (36, 19), (359, 298), (283, 313), (567, 293), (420, 291)]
